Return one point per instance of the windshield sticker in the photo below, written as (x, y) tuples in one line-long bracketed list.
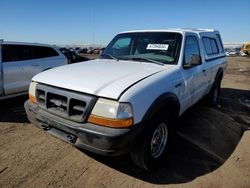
[(157, 47)]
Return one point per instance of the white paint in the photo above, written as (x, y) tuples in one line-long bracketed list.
[(106, 78), (146, 81)]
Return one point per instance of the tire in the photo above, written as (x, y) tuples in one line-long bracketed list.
[(150, 150), (214, 94)]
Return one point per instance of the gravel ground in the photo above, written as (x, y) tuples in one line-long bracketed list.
[(211, 148)]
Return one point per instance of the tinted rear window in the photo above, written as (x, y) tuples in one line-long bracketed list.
[(210, 45), (214, 46), (207, 45), (221, 48), (25, 52)]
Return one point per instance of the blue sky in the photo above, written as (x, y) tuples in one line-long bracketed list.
[(84, 22)]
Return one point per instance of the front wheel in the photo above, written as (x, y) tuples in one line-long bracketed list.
[(159, 140), (149, 151)]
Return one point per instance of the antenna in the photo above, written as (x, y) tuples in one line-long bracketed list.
[(93, 29)]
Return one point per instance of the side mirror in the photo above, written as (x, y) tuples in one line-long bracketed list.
[(193, 61)]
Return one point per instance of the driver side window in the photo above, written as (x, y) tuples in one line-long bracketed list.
[(191, 51)]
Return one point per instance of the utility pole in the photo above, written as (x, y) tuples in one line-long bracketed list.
[(93, 26)]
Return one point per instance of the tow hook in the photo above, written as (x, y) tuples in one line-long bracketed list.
[(46, 127), (71, 138)]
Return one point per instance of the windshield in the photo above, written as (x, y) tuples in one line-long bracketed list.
[(151, 47)]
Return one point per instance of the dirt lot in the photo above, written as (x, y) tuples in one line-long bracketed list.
[(211, 148)]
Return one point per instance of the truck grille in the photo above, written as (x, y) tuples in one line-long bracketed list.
[(67, 104)]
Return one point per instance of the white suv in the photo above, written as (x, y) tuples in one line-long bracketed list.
[(20, 61), (129, 98)]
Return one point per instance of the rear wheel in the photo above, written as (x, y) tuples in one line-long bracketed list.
[(149, 151)]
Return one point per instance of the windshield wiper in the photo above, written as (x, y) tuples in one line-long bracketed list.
[(110, 56), (145, 60)]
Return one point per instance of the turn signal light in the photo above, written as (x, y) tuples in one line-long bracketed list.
[(107, 122), (32, 99)]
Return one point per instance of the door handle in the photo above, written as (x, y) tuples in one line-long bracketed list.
[(204, 70), (35, 65), (178, 85)]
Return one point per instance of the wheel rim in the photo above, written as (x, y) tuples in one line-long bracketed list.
[(159, 140)]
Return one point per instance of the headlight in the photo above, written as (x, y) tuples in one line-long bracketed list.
[(111, 114), (32, 92)]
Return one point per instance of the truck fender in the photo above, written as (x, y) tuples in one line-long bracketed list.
[(167, 101)]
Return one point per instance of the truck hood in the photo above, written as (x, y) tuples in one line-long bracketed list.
[(101, 77)]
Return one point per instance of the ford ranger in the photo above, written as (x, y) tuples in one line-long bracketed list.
[(129, 99)]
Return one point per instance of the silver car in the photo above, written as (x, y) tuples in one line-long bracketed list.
[(19, 62)]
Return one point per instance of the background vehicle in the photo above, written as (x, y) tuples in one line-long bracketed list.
[(246, 48), (90, 50), (83, 50), (19, 62), (72, 56), (96, 51), (231, 53), (129, 99)]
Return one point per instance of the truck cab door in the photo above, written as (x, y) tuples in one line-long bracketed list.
[(192, 72)]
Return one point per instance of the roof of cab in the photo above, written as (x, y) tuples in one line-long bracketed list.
[(178, 30), (26, 43)]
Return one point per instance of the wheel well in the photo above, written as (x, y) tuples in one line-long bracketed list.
[(165, 103), (171, 107), (219, 74)]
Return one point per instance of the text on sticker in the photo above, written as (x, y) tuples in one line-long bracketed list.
[(157, 47)]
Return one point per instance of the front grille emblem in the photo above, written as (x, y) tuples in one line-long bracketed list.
[(57, 103)]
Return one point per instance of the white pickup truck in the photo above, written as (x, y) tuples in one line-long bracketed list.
[(129, 98)]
